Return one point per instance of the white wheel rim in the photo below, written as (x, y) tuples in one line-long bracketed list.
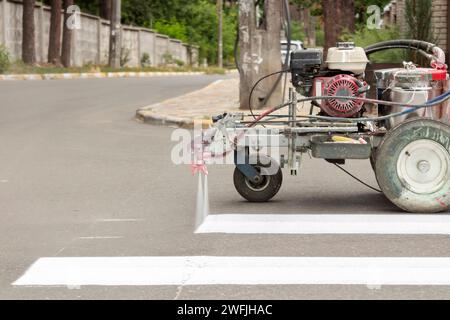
[(258, 188), (423, 166)]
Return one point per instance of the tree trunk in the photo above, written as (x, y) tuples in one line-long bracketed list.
[(260, 53), (28, 33), (348, 18), (309, 27), (339, 15), (54, 46), (247, 30), (67, 37), (312, 31), (105, 9), (271, 55), (115, 44)]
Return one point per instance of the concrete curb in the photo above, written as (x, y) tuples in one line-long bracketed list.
[(96, 75), (150, 117)]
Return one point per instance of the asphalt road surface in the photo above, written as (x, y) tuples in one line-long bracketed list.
[(79, 177)]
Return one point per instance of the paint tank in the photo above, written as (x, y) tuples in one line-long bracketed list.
[(411, 86)]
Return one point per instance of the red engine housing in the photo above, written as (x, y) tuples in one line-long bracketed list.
[(340, 85)]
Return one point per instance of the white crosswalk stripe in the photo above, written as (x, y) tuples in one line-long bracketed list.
[(152, 271), (326, 224)]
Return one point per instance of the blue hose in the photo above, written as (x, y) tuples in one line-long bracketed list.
[(444, 96)]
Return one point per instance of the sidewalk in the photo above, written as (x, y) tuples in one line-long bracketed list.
[(217, 98)]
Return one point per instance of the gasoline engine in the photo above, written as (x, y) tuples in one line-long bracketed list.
[(343, 75)]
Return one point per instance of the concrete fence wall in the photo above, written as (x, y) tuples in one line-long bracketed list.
[(90, 44)]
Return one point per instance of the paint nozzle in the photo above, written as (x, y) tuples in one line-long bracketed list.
[(200, 168)]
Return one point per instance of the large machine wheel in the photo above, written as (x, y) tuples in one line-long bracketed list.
[(373, 159), (413, 166), (373, 163), (264, 190)]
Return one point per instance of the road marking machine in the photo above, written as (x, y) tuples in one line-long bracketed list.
[(402, 127)]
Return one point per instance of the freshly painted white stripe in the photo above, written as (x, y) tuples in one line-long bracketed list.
[(147, 271), (100, 237), (120, 220), (326, 224)]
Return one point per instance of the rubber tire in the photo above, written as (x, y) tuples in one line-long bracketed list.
[(373, 159), (258, 196), (386, 165), (373, 163)]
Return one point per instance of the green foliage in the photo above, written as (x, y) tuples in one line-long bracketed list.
[(137, 12), (170, 60), (145, 12), (88, 6), (195, 22), (4, 59), (173, 29), (360, 7), (124, 56), (320, 37), (365, 37), (229, 34), (297, 31), (179, 62), (201, 22), (145, 60), (167, 58), (304, 4), (191, 21)]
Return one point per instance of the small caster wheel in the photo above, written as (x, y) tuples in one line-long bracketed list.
[(263, 190), (413, 166)]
